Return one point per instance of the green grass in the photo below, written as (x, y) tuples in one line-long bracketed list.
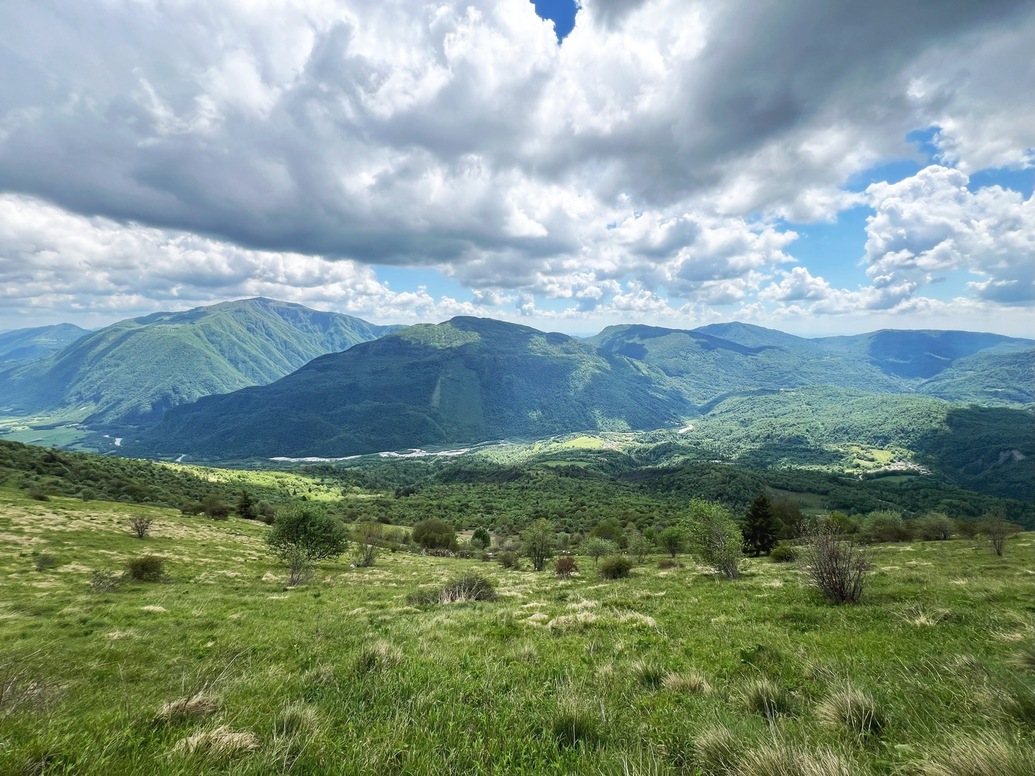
[(555, 677)]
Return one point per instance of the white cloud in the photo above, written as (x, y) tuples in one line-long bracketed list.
[(931, 224)]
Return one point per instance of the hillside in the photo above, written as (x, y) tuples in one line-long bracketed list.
[(463, 381), (22, 345), (132, 371), (711, 366), (721, 359)]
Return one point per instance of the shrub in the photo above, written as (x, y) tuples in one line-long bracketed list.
[(997, 529), (767, 698), (538, 542), (672, 540), (38, 495), (508, 559), (884, 526), (596, 548), (470, 587), (44, 561), (615, 567), (669, 563), (104, 581), (434, 534), (783, 553), (146, 568), (853, 710), (141, 525), (717, 752), (715, 537), (481, 539), (303, 534), (565, 566), (933, 527), (835, 565)]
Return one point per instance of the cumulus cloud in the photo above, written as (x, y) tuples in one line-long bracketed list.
[(650, 161), (931, 224)]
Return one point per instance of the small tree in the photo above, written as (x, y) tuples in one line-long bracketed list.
[(835, 564), (760, 527), (997, 528), (368, 537), (434, 534), (481, 538), (246, 507), (214, 507), (303, 534), (538, 543), (885, 526), (715, 537), (933, 527), (639, 547), (596, 548), (672, 540), (141, 525), (565, 566), (611, 529)]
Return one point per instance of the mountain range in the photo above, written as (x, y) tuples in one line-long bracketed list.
[(259, 378), (23, 345), (133, 371)]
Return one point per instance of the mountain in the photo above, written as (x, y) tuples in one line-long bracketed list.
[(718, 360), (463, 381), (919, 355), (711, 366), (132, 371), (22, 345)]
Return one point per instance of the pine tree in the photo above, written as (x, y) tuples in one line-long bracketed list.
[(760, 527), (246, 507)]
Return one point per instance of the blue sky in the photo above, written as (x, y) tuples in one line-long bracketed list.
[(810, 167)]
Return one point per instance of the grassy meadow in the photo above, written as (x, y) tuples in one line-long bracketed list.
[(222, 668)]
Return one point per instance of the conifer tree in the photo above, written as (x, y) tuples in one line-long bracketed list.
[(760, 527)]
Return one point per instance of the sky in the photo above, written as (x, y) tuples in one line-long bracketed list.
[(813, 166)]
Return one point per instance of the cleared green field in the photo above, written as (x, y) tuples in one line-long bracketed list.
[(643, 675)]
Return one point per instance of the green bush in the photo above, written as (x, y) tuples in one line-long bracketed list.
[(43, 561), (469, 587), (508, 559), (146, 568), (783, 553), (615, 567), (434, 534), (565, 566)]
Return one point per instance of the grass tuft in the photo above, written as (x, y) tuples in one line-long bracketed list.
[(575, 725), (648, 672), (688, 682), (767, 698), (187, 709), (783, 760), (989, 755), (295, 721), (220, 743), (378, 657), (717, 752), (853, 710)]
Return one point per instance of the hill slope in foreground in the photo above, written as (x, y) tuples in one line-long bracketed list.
[(220, 668), (132, 371)]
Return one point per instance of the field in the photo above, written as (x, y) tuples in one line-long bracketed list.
[(659, 673)]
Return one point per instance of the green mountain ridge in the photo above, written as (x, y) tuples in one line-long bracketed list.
[(134, 370), (463, 381), (23, 345)]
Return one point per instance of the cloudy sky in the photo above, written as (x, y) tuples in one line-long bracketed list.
[(817, 166)]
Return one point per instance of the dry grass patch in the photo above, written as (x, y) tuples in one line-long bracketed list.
[(989, 755), (192, 707), (717, 752), (782, 760), (688, 682), (220, 743), (852, 710)]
